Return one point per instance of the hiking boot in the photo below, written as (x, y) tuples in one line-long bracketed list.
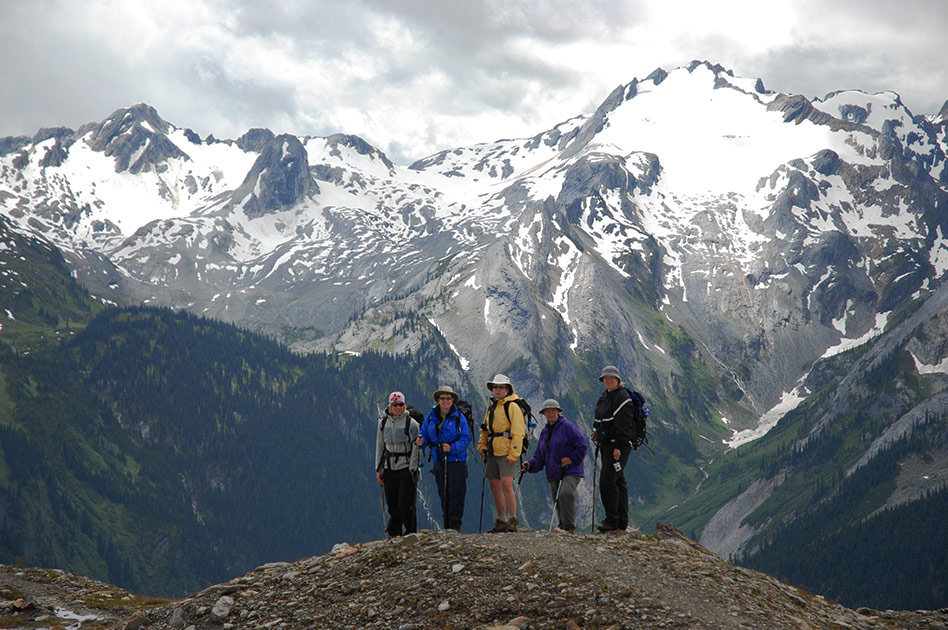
[(512, 524), (499, 526), (606, 526)]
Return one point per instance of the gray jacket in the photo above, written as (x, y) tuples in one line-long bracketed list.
[(394, 450)]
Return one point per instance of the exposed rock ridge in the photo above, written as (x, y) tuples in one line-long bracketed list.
[(530, 579)]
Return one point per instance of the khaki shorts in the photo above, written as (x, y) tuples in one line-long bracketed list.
[(497, 466)]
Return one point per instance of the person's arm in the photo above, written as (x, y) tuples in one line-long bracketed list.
[(482, 436), (518, 430), (538, 461), (577, 443), (625, 423), (379, 451), (413, 432)]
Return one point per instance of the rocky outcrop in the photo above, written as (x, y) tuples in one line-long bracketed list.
[(136, 138), (439, 580), (279, 179)]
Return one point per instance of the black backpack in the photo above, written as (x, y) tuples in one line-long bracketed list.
[(640, 417), (468, 411), (529, 421)]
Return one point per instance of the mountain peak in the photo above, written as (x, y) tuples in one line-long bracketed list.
[(278, 179), (136, 137)]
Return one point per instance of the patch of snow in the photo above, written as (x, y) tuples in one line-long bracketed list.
[(788, 402)]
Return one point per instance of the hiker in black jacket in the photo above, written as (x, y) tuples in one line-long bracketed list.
[(614, 433)]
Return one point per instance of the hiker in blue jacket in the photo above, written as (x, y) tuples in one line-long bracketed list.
[(445, 432), (562, 450)]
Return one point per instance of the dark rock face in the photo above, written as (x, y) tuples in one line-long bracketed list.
[(255, 139), (279, 179), (51, 132), (12, 143), (137, 132)]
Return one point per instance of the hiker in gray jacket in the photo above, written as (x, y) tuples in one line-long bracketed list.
[(396, 464)]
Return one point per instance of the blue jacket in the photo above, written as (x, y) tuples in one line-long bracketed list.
[(454, 431), (562, 439)]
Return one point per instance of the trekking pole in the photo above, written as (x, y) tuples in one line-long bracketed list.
[(480, 518), (414, 501), (444, 499), (384, 523), (556, 499), (592, 525)]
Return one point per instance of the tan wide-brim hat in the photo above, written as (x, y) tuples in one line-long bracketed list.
[(446, 389), (550, 403), (500, 379)]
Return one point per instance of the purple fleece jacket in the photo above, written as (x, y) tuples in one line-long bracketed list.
[(562, 439)]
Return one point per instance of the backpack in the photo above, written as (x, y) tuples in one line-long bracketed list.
[(639, 417), (529, 421), (468, 411)]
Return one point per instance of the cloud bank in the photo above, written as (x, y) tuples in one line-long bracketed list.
[(414, 77)]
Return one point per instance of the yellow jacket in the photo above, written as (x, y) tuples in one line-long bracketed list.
[(508, 432)]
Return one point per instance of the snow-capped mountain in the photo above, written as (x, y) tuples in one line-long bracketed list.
[(710, 237)]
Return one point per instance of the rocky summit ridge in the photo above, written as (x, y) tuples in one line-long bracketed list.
[(528, 579)]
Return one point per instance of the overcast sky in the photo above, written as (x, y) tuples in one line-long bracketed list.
[(413, 77)]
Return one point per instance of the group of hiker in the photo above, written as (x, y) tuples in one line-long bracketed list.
[(446, 434)]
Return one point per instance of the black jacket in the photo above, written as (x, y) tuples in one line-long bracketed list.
[(615, 430)]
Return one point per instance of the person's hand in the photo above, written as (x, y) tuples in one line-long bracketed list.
[(594, 437), (616, 453), (415, 474), (420, 441), (483, 456), (446, 448), (566, 461), (526, 466), (378, 476), (511, 462)]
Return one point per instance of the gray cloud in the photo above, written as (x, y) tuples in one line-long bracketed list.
[(417, 76)]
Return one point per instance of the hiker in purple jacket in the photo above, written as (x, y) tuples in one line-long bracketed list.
[(561, 449)]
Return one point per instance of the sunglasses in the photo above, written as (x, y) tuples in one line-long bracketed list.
[(398, 404), (445, 397)]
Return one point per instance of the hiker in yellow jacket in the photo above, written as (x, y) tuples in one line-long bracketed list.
[(500, 444)]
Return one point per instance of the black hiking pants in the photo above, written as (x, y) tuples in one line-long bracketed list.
[(400, 497), (612, 488), (457, 489)]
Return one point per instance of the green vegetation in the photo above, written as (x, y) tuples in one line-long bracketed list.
[(162, 452), (40, 302), (899, 555)]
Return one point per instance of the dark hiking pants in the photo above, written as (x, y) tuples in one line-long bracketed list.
[(612, 488), (457, 488), (400, 497)]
